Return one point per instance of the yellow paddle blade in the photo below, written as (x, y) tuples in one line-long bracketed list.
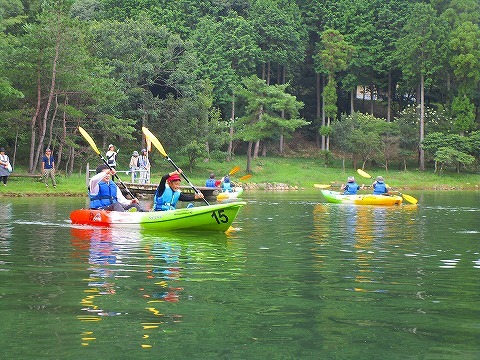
[(234, 170), (321, 186), (154, 140), (410, 199), (364, 174), (89, 139), (245, 177)]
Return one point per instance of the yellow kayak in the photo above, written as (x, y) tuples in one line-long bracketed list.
[(361, 199)]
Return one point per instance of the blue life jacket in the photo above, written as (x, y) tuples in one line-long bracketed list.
[(210, 183), (351, 188), (107, 195), (227, 187), (167, 201), (379, 188)]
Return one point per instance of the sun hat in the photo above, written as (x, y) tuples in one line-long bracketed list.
[(379, 178), (144, 150), (48, 149), (351, 179), (135, 153), (2, 149), (109, 146), (174, 177)]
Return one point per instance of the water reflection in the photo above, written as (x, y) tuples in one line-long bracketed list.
[(139, 274), (363, 236), (5, 234)]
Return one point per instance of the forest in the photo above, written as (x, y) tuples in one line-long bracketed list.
[(395, 83)]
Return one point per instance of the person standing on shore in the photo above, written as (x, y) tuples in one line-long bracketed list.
[(111, 156), (144, 165), (48, 168), (4, 166)]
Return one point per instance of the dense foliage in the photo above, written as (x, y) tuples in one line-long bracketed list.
[(382, 81)]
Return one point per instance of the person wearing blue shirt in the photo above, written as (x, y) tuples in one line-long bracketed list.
[(48, 168)]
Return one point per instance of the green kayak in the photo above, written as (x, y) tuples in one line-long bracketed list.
[(217, 217)]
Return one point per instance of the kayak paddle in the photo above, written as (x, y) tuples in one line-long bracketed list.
[(245, 177), (94, 147), (158, 145), (322, 186), (234, 170), (409, 198)]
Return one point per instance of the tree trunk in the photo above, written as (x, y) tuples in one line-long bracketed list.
[(389, 96), (249, 156), (256, 148), (323, 111), (327, 147), (50, 95), (33, 122), (353, 94), (50, 127), (268, 72), (63, 137), (319, 113), (422, 122), (282, 114), (232, 121), (372, 94)]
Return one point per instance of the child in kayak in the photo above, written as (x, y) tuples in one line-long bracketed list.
[(168, 193)]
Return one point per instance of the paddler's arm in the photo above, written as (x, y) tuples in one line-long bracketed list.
[(123, 200), (190, 197), (94, 189)]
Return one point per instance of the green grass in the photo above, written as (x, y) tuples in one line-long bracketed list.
[(299, 172)]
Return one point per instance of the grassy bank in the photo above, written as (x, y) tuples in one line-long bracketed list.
[(291, 171)]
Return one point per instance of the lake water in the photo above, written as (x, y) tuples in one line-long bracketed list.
[(297, 279)]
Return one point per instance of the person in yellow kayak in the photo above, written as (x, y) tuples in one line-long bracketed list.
[(351, 187), (168, 193), (379, 186)]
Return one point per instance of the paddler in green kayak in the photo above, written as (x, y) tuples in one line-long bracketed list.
[(168, 193)]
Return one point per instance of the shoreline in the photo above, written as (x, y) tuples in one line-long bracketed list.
[(250, 187)]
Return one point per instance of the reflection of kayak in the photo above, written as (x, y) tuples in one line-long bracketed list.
[(367, 199), (226, 195), (216, 217)]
